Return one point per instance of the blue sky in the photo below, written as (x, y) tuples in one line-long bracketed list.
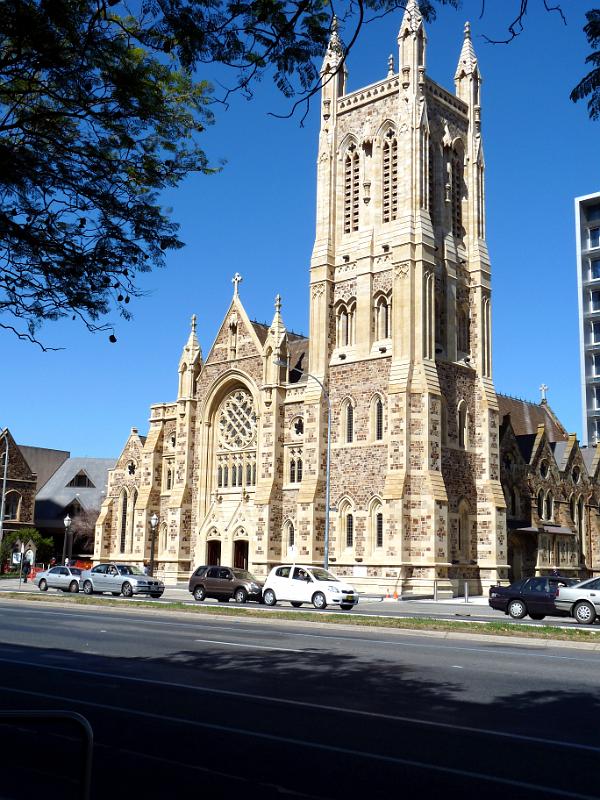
[(257, 217)]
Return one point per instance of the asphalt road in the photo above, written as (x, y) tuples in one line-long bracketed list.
[(244, 708)]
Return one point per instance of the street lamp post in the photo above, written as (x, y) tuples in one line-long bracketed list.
[(153, 526), (328, 462), (67, 522), (3, 435)]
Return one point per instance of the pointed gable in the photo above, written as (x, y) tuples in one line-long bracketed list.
[(237, 337)]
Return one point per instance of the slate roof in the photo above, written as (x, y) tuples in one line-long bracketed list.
[(56, 495), (588, 454), (525, 418)]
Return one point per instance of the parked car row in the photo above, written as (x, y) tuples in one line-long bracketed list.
[(549, 596), (117, 579), (295, 583)]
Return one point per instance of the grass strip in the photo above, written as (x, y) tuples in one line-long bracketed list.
[(492, 628)]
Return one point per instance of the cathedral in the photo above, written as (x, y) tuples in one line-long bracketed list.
[(387, 412)]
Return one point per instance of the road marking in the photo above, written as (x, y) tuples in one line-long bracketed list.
[(284, 701), (247, 733), (492, 649), (251, 646), (455, 666)]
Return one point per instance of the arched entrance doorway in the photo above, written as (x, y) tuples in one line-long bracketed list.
[(240, 554), (213, 552)]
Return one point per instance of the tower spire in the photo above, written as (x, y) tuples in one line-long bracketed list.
[(335, 45), (412, 19), (467, 61)]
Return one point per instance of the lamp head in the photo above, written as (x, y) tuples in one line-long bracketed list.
[(67, 521), (153, 520)]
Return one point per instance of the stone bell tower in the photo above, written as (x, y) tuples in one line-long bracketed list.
[(400, 327)]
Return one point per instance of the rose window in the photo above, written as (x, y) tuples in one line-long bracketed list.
[(237, 420)]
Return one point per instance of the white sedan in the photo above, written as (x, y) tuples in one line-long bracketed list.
[(65, 578), (298, 583)]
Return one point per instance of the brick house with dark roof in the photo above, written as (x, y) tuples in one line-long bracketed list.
[(550, 486)]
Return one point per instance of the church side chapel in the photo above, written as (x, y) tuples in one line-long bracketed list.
[(427, 463)]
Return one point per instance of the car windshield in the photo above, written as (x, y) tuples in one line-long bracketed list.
[(75, 571), (126, 569), (323, 575), (243, 575)]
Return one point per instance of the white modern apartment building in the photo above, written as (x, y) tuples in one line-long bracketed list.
[(587, 237)]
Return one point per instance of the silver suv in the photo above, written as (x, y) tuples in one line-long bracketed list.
[(125, 579)]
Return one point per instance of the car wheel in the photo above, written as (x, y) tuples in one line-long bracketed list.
[(240, 596), (127, 589), (156, 595), (43, 586), (88, 588), (517, 609), (296, 604), (319, 600), (584, 613), (199, 593), (269, 597), (346, 606), (537, 616), (73, 587)]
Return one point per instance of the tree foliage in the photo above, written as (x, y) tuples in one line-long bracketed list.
[(101, 108), (10, 541), (589, 87), (100, 111)]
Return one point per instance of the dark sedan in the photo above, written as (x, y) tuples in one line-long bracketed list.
[(533, 596)]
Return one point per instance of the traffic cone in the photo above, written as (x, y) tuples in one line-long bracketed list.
[(395, 595)]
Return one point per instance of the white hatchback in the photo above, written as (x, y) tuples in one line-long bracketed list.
[(298, 583)]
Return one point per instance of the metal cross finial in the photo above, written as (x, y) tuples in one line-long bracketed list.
[(543, 390), (236, 280), (467, 30), (193, 323), (278, 303)]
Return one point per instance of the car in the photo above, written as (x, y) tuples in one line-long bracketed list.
[(125, 579), (66, 579), (533, 596), (300, 583), (223, 583), (581, 601)]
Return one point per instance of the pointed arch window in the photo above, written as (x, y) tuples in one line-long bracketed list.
[(351, 189), (345, 316), (463, 422), (379, 529), (293, 470), (431, 184), (349, 415), (378, 419), (382, 318), (549, 506), (540, 504), (291, 535), (349, 530), (123, 521), (457, 193), (463, 342), (12, 504), (389, 182)]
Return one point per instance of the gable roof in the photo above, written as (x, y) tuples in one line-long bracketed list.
[(56, 494), (525, 418)]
